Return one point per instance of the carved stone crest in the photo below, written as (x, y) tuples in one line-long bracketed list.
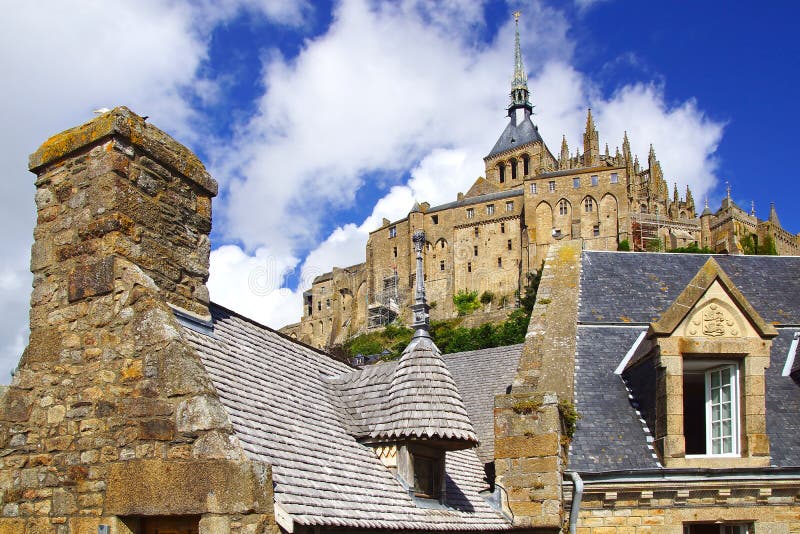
[(713, 321)]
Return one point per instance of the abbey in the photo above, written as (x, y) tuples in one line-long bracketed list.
[(501, 229)]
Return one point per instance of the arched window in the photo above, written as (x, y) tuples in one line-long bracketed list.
[(588, 205), (526, 161), (563, 207), (502, 168), (513, 169)]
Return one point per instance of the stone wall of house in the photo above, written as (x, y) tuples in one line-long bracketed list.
[(769, 509), (110, 415)]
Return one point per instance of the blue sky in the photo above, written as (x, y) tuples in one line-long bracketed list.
[(318, 119)]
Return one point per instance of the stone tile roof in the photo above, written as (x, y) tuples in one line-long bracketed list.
[(620, 294), (422, 401), (480, 375), (516, 135), (286, 410), (609, 436), (639, 287)]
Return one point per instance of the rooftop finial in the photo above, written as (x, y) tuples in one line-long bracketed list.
[(420, 306), (519, 85)]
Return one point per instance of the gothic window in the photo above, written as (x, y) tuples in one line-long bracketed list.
[(563, 207), (533, 189), (510, 205), (525, 165), (576, 183), (710, 408), (470, 213), (614, 178), (595, 180), (502, 168), (588, 205), (552, 185), (490, 209), (392, 232), (513, 163)]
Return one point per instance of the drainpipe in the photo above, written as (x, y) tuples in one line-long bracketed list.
[(577, 496)]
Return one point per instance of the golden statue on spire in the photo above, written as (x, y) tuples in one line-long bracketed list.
[(516, 16)]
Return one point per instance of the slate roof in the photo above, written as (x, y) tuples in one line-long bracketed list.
[(480, 375), (620, 294), (516, 135), (286, 410)]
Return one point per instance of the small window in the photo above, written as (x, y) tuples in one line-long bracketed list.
[(435, 219), (502, 169), (614, 178), (442, 244), (490, 209), (510, 205), (394, 250), (595, 180), (576, 183), (552, 185), (513, 169), (502, 227), (441, 265), (392, 232), (469, 266), (525, 165), (470, 213), (533, 189), (475, 250), (477, 232), (588, 205), (563, 207), (500, 262), (710, 409), (510, 246), (328, 303), (596, 230), (427, 477), (319, 305)]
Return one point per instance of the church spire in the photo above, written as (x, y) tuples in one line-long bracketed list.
[(519, 85)]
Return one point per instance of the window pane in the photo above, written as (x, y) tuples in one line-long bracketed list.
[(715, 379)]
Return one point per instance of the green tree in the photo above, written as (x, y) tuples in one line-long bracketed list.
[(624, 246), (466, 302)]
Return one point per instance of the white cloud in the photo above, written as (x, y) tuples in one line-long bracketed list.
[(250, 284)]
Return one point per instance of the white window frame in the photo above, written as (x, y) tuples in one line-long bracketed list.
[(509, 205), (552, 186), (614, 178), (392, 232), (490, 209), (717, 367), (470, 213), (533, 189)]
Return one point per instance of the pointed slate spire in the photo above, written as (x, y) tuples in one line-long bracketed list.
[(423, 401), (519, 84)]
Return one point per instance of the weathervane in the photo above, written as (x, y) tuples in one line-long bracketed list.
[(516, 16)]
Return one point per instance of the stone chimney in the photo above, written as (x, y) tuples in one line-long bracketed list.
[(111, 415), (119, 187)]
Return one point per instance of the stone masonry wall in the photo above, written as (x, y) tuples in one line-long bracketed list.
[(111, 414), (531, 432)]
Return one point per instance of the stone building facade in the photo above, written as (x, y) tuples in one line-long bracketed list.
[(501, 229)]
